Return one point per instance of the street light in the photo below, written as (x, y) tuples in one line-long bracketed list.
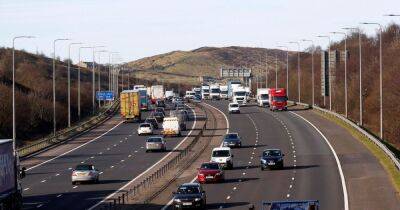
[(276, 71), (54, 84), (345, 69), (13, 89), (287, 68), (298, 69), (94, 80), (360, 72), (99, 74), (380, 75), (329, 70), (312, 68), (109, 69), (69, 81)]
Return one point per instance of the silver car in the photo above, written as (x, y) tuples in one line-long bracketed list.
[(156, 144), (85, 173)]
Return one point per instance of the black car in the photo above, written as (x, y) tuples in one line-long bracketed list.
[(232, 140), (272, 158), (159, 116), (189, 196), (160, 109), (160, 103), (152, 121)]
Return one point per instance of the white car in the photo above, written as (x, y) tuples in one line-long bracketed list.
[(233, 108), (222, 156), (85, 173), (145, 129)]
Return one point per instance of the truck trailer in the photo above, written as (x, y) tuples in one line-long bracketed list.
[(130, 105), (231, 86), (157, 93)]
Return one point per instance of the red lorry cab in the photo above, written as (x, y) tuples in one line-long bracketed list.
[(277, 99)]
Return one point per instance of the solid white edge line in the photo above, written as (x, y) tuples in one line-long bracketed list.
[(35, 166), (151, 167), (227, 131), (339, 165)]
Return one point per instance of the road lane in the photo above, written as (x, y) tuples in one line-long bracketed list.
[(119, 155)]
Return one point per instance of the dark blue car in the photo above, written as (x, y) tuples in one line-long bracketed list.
[(232, 140), (272, 158)]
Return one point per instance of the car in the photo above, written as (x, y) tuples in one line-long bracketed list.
[(156, 143), (180, 107), (185, 114), (272, 158), (160, 103), (197, 98), (145, 128), (210, 172), (152, 121), (85, 173), (159, 116), (234, 108), (160, 109), (189, 196), (222, 156), (232, 140)]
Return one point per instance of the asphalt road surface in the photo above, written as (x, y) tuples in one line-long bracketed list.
[(119, 155)]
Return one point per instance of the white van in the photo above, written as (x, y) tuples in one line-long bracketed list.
[(222, 156), (171, 126)]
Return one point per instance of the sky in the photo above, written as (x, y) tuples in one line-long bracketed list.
[(138, 29)]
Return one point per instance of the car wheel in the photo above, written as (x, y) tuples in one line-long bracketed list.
[(147, 151), (73, 183), (262, 168)]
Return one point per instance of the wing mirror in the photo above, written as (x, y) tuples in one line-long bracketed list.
[(22, 173)]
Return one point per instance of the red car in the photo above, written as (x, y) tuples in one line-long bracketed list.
[(210, 172)]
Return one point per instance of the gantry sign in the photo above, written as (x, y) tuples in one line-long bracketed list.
[(235, 72)]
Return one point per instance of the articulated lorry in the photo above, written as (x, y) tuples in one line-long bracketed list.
[(130, 105), (205, 91), (277, 99), (10, 175), (157, 93), (262, 97), (231, 86), (144, 102), (214, 92), (223, 92), (239, 96)]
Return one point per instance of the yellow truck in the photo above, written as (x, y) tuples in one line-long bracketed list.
[(130, 106)]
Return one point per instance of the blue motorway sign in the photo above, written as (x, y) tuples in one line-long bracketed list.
[(105, 95)]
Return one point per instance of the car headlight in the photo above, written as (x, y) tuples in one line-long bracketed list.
[(177, 200), (263, 161), (197, 199)]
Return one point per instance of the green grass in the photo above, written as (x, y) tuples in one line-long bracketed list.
[(385, 161)]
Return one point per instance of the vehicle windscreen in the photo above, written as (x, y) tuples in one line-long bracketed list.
[(234, 105), (221, 153), (188, 190), (264, 96), (211, 166), (240, 93), (280, 98), (206, 90), (145, 125), (158, 114), (273, 153), (84, 167), (154, 140), (224, 92), (215, 91), (231, 136)]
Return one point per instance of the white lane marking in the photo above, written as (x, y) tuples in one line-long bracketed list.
[(290, 186), (234, 188), (229, 197), (27, 189), (57, 174), (75, 187), (100, 153), (35, 166), (69, 168), (101, 172), (288, 195), (129, 155), (339, 165), (43, 181), (151, 167), (59, 195), (111, 166), (40, 205), (92, 157)]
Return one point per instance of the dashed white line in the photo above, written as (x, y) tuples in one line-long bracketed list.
[(74, 187), (43, 181), (26, 189), (59, 195)]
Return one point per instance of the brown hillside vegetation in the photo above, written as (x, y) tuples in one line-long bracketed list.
[(34, 106)]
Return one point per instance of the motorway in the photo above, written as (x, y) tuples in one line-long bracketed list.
[(310, 171), (119, 154)]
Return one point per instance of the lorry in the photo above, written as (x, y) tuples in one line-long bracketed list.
[(284, 205), (181, 118), (214, 92), (223, 91), (144, 102), (197, 91), (277, 99), (239, 95), (205, 91), (10, 176), (248, 93), (157, 93), (262, 97), (171, 127), (130, 105), (189, 94), (169, 94), (232, 84)]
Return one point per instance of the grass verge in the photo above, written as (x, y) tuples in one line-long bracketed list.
[(385, 161)]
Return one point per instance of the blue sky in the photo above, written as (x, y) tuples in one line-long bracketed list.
[(143, 28)]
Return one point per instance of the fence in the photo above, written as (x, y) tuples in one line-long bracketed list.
[(68, 133), (123, 197)]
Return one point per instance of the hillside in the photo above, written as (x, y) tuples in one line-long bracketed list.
[(186, 66)]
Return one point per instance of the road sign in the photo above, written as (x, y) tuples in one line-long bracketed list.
[(235, 72), (105, 95)]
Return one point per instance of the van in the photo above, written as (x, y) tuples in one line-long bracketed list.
[(222, 156), (171, 127)]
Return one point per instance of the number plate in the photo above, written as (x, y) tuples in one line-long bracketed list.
[(209, 177), (271, 163), (187, 204)]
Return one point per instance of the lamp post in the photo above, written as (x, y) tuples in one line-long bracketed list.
[(14, 133), (287, 68), (298, 69), (312, 69), (110, 54), (54, 84), (99, 74), (69, 81), (380, 75), (94, 80), (345, 69), (329, 70), (276, 71)]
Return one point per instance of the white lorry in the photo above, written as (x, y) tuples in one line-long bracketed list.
[(171, 126), (263, 97), (197, 91), (157, 93), (189, 94), (214, 92), (169, 94), (239, 96), (205, 92), (223, 91)]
